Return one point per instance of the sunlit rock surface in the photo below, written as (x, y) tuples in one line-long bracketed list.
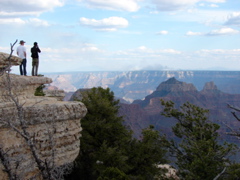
[(43, 115)]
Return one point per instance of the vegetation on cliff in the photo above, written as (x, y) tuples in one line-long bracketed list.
[(39, 90)]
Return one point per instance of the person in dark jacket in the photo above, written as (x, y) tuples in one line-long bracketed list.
[(35, 58)]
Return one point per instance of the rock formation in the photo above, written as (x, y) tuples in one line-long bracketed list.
[(142, 113), (210, 87), (14, 60), (172, 85), (43, 114)]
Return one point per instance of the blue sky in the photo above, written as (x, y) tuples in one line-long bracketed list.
[(123, 35)]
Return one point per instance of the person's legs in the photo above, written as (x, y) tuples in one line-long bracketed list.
[(24, 63), (36, 72), (33, 66), (21, 68)]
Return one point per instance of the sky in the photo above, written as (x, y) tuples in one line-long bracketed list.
[(124, 35)]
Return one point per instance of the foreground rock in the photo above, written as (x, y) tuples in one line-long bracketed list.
[(44, 116), (14, 60)]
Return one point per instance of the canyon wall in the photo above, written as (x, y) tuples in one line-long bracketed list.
[(132, 85)]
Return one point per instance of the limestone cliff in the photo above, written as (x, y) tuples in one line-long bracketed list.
[(43, 114)]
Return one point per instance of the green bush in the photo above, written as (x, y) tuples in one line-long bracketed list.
[(39, 91)]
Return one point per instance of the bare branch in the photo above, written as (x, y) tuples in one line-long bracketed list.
[(224, 169), (234, 115), (7, 168), (234, 108)]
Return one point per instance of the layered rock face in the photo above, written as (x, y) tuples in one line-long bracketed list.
[(53, 125), (142, 113)]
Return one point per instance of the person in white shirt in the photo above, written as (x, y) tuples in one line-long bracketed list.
[(21, 52)]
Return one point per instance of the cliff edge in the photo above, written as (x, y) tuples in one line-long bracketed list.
[(44, 117)]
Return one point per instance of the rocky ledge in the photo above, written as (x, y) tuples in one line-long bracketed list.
[(44, 116)]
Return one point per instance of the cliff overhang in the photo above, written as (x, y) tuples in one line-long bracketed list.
[(54, 125)]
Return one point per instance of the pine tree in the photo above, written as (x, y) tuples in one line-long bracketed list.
[(108, 150), (147, 153), (198, 151), (103, 136)]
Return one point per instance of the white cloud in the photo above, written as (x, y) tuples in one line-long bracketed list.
[(142, 48), (12, 21), (83, 48), (213, 5), (169, 5), (154, 12), (172, 5), (118, 5), (190, 33), (15, 14), (214, 51), (215, 1), (233, 19), (22, 7), (221, 54), (223, 31), (153, 52), (170, 51), (162, 32), (211, 17), (90, 48), (215, 32), (38, 22), (106, 24), (18, 21)]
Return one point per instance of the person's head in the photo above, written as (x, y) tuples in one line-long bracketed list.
[(22, 42), (35, 43)]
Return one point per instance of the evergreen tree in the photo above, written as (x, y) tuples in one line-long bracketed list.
[(198, 152), (147, 153), (232, 172), (108, 150), (103, 136)]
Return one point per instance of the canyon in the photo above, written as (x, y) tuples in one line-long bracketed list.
[(132, 85)]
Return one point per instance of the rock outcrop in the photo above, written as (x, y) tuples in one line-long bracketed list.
[(172, 85), (14, 60), (44, 116), (210, 87)]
